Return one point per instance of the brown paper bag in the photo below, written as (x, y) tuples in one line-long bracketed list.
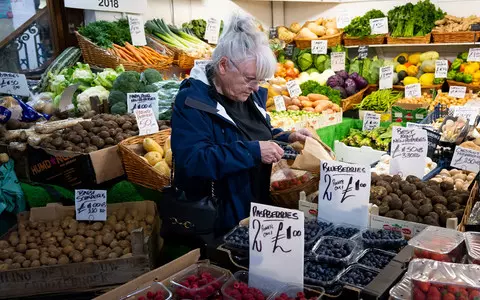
[(313, 151)]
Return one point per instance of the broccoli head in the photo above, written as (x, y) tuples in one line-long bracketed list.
[(151, 75), (119, 108), (148, 88), (127, 82), (117, 97)]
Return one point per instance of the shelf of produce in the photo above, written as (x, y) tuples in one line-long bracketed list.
[(431, 45)]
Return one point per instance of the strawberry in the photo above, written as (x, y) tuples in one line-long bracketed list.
[(448, 296), (474, 295), (423, 286), (433, 293), (418, 294), (421, 253), (440, 257), (453, 289)]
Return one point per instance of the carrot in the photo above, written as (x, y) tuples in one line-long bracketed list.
[(124, 55), (135, 53)]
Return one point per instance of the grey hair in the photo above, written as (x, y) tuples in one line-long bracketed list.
[(240, 41)]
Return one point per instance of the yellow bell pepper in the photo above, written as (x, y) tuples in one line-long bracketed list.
[(410, 80), (427, 79), (400, 68), (476, 76), (471, 68), (414, 58), (412, 71)]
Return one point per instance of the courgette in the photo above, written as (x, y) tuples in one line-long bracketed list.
[(66, 59)]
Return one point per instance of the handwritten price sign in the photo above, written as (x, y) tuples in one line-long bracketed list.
[(91, 205), (137, 30), (413, 90), (457, 91), (441, 68), (319, 47), (141, 101), (473, 54), (293, 88), (379, 26), (467, 112), (212, 31), (276, 237), (13, 84), (338, 61), (466, 159), (386, 77), (409, 150), (344, 193), (371, 121), (146, 121)]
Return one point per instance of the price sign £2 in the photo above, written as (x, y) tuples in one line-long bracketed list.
[(91, 205), (276, 239), (344, 193)]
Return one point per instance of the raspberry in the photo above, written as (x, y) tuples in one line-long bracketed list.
[(150, 295)]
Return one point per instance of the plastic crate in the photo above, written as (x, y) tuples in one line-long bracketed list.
[(361, 259), (331, 258), (353, 268), (438, 112), (155, 288)]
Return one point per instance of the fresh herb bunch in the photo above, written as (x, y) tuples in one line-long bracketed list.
[(360, 26), (105, 34), (414, 20), (313, 87), (197, 27)]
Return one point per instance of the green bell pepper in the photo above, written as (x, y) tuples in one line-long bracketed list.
[(451, 74), (467, 78), (438, 80), (463, 56), (459, 77), (456, 64)]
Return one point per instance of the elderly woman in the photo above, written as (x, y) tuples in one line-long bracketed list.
[(221, 132)]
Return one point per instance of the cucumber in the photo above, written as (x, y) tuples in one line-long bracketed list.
[(66, 59)]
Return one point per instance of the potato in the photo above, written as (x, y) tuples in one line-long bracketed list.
[(14, 240), (55, 252), (122, 235), (127, 255), (102, 255), (19, 259), (35, 263), (99, 240), (89, 240), (112, 255), (8, 261), (124, 244), (90, 233), (45, 235), (4, 254), (162, 168), (107, 228), (121, 213), (63, 260), (81, 231), (153, 157), (4, 267), (68, 249), (44, 260), (21, 248), (35, 233), (149, 219), (15, 266), (118, 250), (79, 245), (78, 238), (71, 232), (118, 227), (66, 242), (52, 261), (32, 252), (113, 244), (92, 247), (26, 264), (108, 238), (31, 239), (112, 220), (87, 253), (50, 241), (102, 248), (97, 226)]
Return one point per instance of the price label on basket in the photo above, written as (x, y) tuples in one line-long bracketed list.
[(13, 84), (466, 159), (457, 91), (386, 77), (408, 150), (371, 121), (279, 103), (413, 90), (343, 20), (276, 237), (379, 26), (212, 31), (142, 100), (362, 52), (344, 192), (319, 46), (467, 112), (473, 54), (91, 205), (441, 68), (146, 121), (293, 88), (128, 6), (137, 30), (337, 61)]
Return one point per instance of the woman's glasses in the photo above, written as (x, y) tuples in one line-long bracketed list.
[(251, 82)]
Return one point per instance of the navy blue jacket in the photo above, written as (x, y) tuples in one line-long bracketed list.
[(207, 146)]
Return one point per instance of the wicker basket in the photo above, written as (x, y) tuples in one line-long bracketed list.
[(181, 58), (97, 56), (474, 88), (455, 37), (332, 40), (468, 208), (424, 88), (356, 41), (409, 40), (348, 103), (289, 198), (370, 89), (138, 170)]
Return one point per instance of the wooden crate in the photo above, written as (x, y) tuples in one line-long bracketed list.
[(79, 277)]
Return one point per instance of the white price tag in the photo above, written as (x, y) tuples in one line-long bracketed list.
[(409, 150), (319, 46), (441, 68), (91, 205), (337, 61), (276, 237), (371, 121), (212, 31), (386, 77), (146, 121), (467, 112), (379, 26), (137, 30), (128, 6), (419, 126), (13, 84), (344, 193), (473, 54), (279, 103), (413, 90), (466, 159), (457, 91), (293, 88), (142, 100), (343, 20), (202, 63)]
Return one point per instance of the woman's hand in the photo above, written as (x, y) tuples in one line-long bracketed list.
[(271, 152), (299, 135)]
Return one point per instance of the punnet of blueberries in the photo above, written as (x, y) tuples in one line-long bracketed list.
[(358, 276), (334, 250), (380, 238), (343, 231), (238, 238), (320, 273), (375, 258), (313, 230)]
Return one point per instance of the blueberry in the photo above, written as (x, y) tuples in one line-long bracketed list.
[(343, 232), (375, 259), (320, 271), (238, 238), (358, 276)]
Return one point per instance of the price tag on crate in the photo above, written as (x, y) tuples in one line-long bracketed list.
[(91, 205), (466, 159), (146, 121), (273, 33), (457, 91), (276, 238), (319, 46), (473, 54), (379, 26), (293, 88), (441, 68), (343, 20), (413, 90), (13, 84), (409, 148), (137, 30), (371, 121), (362, 52), (279, 103), (141, 101), (386, 77), (201, 63), (337, 61), (467, 112), (212, 31), (128, 6), (344, 193)]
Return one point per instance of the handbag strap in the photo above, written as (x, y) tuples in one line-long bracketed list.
[(172, 181)]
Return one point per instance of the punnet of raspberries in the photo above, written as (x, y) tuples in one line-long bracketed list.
[(159, 295), (198, 286), (431, 291), (299, 296), (240, 291)]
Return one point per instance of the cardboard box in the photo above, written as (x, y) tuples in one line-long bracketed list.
[(406, 112), (74, 170), (409, 229), (77, 277)]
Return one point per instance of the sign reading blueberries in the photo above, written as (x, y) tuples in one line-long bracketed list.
[(408, 150), (466, 159), (13, 84), (344, 193), (91, 205), (276, 239)]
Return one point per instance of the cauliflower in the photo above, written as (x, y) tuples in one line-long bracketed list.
[(82, 74), (83, 99)]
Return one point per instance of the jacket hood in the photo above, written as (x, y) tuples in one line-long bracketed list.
[(199, 73)]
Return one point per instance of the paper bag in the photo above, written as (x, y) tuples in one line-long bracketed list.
[(313, 151)]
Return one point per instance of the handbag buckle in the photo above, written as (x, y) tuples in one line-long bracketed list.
[(186, 224)]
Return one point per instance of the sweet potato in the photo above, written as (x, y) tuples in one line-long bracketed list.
[(315, 97)]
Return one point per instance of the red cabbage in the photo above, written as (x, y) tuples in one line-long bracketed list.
[(360, 82), (335, 80), (342, 91), (342, 74), (350, 87)]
